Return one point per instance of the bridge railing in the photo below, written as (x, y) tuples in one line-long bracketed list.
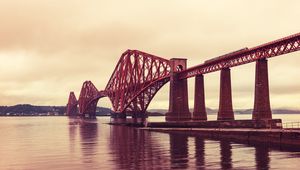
[(291, 125)]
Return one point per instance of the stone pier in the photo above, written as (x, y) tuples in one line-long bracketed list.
[(225, 105), (199, 102), (178, 100), (262, 109)]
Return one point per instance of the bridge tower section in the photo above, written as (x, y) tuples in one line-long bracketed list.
[(88, 99), (72, 106), (178, 94), (225, 103), (262, 108)]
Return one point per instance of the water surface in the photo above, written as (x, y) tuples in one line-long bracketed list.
[(58, 143)]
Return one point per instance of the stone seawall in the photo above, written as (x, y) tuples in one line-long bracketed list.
[(257, 124), (279, 137)]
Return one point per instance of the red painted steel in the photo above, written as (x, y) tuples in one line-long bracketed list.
[(275, 48), (138, 75), (72, 109), (88, 99), (136, 79)]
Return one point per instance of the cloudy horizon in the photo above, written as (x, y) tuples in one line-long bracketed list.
[(49, 48)]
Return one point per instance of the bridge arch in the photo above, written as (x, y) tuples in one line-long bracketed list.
[(88, 99), (72, 106), (138, 76), (135, 81)]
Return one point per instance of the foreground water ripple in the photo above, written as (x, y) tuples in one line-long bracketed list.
[(58, 143)]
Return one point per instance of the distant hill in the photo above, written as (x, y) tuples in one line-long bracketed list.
[(274, 111), (103, 111), (163, 111), (31, 110)]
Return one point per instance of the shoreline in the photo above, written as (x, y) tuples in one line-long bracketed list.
[(283, 138)]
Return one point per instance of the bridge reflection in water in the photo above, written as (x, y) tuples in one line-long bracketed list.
[(120, 147), (89, 142)]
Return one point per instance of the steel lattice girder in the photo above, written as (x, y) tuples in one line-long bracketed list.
[(88, 99), (72, 109), (136, 79), (275, 48)]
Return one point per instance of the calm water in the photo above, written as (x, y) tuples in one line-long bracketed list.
[(57, 143)]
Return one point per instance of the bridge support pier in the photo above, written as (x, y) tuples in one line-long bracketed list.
[(178, 100), (262, 108), (139, 117), (118, 117), (225, 104), (90, 112), (199, 101), (89, 115)]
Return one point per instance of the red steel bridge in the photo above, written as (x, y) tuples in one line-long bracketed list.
[(138, 76)]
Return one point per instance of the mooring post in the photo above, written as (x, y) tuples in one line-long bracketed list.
[(178, 98), (262, 108), (199, 101), (225, 104)]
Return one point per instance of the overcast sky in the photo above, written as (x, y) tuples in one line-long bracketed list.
[(49, 47)]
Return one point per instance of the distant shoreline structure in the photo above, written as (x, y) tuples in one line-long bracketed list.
[(31, 110)]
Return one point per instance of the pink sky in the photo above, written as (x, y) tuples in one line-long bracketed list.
[(49, 47)]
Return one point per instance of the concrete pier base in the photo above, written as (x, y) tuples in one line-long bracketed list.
[(137, 119), (289, 139), (118, 118), (256, 124)]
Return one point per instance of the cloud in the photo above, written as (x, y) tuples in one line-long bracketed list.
[(48, 48)]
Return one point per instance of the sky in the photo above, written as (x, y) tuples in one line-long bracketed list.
[(49, 48)]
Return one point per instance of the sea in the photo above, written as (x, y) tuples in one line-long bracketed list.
[(50, 143)]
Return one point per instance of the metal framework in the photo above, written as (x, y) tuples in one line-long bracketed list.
[(138, 76), (72, 109), (136, 79), (88, 99), (275, 48)]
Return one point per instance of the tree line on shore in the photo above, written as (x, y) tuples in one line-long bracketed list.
[(31, 110)]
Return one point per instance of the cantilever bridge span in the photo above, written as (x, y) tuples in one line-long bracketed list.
[(138, 76)]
